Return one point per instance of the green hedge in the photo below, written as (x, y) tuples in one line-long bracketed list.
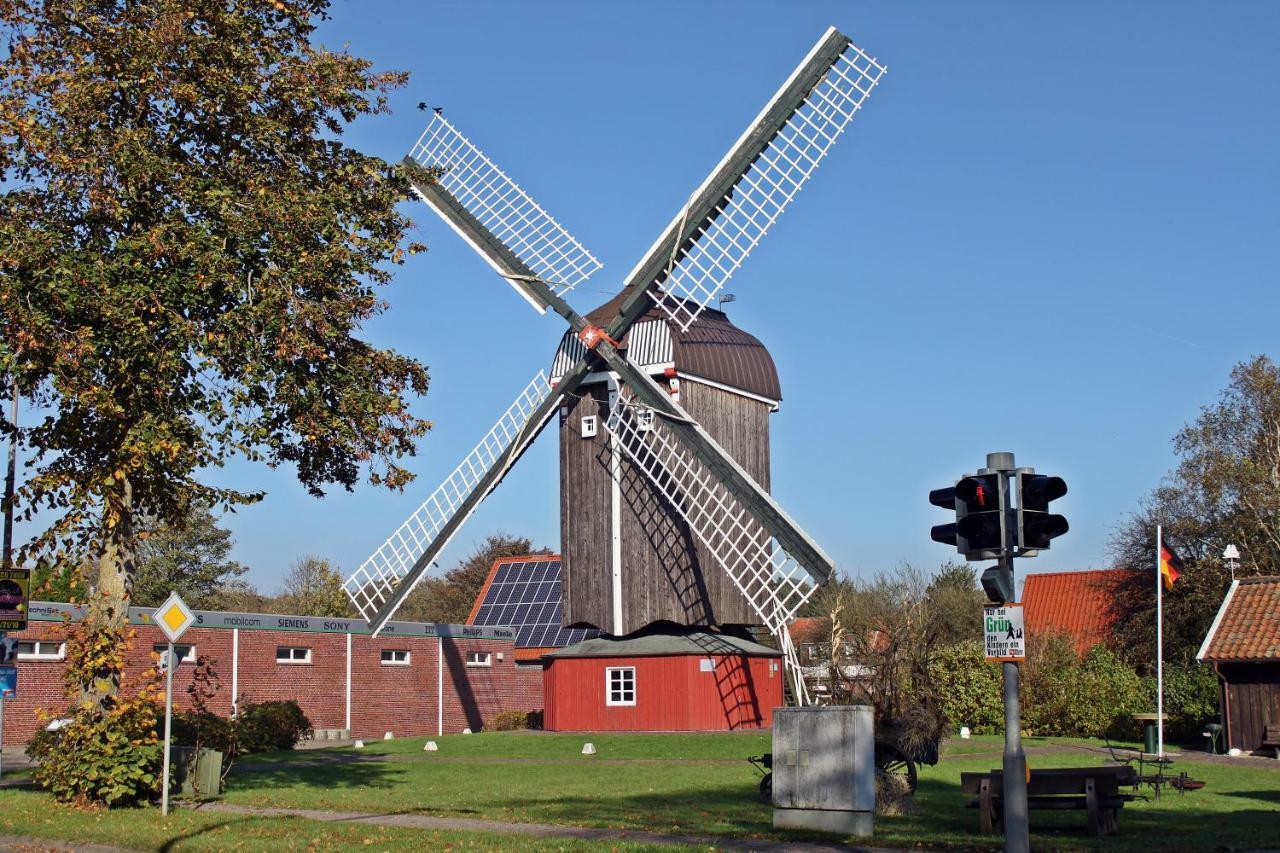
[(1064, 695)]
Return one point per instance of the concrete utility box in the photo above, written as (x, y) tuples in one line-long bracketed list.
[(824, 774)]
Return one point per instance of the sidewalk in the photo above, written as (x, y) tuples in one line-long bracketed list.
[(542, 830)]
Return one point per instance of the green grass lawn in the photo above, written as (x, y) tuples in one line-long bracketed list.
[(688, 784)]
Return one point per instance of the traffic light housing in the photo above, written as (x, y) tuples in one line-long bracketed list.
[(1037, 527), (979, 503), (997, 583), (980, 530), (945, 498)]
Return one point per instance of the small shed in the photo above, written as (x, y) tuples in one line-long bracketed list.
[(663, 678), (1243, 645)]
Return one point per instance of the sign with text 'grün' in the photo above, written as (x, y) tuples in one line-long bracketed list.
[(1005, 639)]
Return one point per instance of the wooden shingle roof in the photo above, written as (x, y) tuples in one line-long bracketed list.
[(1247, 627), (712, 348)]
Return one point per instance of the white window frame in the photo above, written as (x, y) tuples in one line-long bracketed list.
[(182, 651), (291, 660), (479, 659), (385, 661), (625, 673), (37, 650)]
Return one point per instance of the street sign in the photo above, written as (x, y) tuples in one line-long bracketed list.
[(1005, 638), (173, 617), (15, 587)]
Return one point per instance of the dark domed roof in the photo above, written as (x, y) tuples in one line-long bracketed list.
[(712, 348)]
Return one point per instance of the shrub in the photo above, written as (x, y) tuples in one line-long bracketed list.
[(1096, 696), (270, 726), (509, 721), (1190, 700), (968, 688), (102, 756)]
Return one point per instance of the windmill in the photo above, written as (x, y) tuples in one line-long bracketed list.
[(767, 558)]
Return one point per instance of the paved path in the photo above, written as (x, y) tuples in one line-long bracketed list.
[(542, 830)]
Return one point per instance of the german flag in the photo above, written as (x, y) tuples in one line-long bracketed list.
[(1170, 566)]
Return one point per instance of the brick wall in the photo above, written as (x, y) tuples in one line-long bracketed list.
[(384, 697)]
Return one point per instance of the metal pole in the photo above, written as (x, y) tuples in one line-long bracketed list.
[(1016, 832), (1159, 643), (9, 478), (168, 723)]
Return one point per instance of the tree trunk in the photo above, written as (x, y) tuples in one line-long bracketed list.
[(107, 620)]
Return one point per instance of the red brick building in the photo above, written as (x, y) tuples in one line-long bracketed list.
[(414, 679)]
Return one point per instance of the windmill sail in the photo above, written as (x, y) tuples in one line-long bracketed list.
[(775, 583), (515, 235), (740, 200), (380, 585)]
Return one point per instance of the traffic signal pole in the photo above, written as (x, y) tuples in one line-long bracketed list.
[(1016, 832)]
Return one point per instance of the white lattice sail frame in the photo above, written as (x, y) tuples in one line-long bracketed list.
[(371, 585), (774, 583), (501, 206), (768, 186)]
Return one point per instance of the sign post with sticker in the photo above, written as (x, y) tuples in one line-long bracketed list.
[(173, 618), (1004, 634)]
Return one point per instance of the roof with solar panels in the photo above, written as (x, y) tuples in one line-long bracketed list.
[(524, 593)]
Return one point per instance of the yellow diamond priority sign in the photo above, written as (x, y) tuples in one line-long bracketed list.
[(173, 617)]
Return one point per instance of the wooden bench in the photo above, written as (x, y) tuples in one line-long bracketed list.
[(1271, 738), (1096, 790)]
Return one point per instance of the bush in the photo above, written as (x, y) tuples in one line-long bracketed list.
[(270, 727), (1190, 700), (102, 756), (205, 730), (509, 721), (1093, 697), (968, 688)]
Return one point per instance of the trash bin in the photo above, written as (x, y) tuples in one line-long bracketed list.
[(196, 773), (1149, 738)]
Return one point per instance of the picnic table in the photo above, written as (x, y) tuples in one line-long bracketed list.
[(1096, 790)]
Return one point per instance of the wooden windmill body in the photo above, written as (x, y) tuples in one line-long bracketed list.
[(629, 557)]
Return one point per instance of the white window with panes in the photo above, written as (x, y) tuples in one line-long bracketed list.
[(620, 685), (181, 653), (293, 654), (395, 657), (41, 650), (479, 659)]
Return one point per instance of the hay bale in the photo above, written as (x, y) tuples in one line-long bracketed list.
[(893, 795)]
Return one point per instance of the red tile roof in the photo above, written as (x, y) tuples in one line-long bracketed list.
[(810, 629), (1076, 603), (1248, 623)]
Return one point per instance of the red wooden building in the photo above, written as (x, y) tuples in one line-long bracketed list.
[(664, 678), (1243, 646)]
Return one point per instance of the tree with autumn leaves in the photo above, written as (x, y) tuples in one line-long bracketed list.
[(187, 254)]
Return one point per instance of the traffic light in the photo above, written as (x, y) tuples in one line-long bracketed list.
[(1036, 525), (997, 583), (945, 498), (980, 529)]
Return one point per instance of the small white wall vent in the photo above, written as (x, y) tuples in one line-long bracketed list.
[(590, 423)]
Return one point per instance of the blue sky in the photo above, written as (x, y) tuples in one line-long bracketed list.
[(1052, 230)]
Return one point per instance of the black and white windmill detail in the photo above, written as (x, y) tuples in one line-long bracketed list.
[(769, 558)]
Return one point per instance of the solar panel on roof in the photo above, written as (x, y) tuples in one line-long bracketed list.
[(525, 595)]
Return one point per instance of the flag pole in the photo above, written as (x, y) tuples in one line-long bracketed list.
[(1159, 643)]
